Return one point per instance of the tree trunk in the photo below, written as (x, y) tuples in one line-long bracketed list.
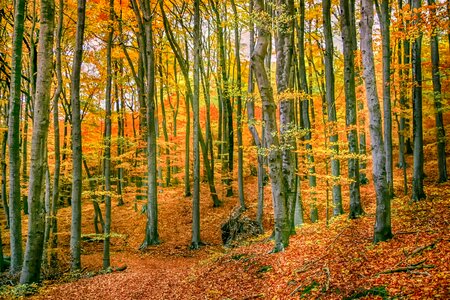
[(440, 129), (237, 51), (107, 141), (3, 170), (196, 241), (77, 176), (418, 175), (251, 126), (347, 9), (384, 16), (283, 46), (38, 162), (383, 230), (151, 235), (305, 115), (14, 139), (282, 230), (55, 194), (331, 108)]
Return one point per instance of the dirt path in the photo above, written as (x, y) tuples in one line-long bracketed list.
[(146, 277)]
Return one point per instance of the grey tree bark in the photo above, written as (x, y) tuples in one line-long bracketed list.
[(56, 131), (440, 129), (384, 16), (237, 54), (418, 175), (349, 40), (38, 164), (305, 117), (383, 229), (14, 139), (107, 140), (331, 108), (284, 15), (77, 172), (250, 105), (196, 241), (282, 230), (151, 235)]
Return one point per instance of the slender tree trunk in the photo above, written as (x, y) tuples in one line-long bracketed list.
[(440, 129), (35, 242), (383, 229), (196, 241), (237, 41), (14, 139), (331, 108), (350, 106), (403, 59), (282, 230), (4, 175), (284, 45), (98, 217), (107, 141), (151, 236), (56, 176), (384, 16), (164, 121), (418, 175), (77, 176), (227, 114), (251, 126), (305, 108)]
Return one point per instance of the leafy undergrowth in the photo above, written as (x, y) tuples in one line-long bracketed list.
[(337, 261), (334, 262)]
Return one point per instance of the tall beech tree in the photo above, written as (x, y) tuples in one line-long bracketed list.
[(237, 54), (38, 168), (107, 139), (347, 8), (383, 229), (77, 172), (440, 129), (305, 114), (418, 175), (282, 229), (151, 235), (384, 15), (196, 241), (15, 221), (284, 52), (331, 108)]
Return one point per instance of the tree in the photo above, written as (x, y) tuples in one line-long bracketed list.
[(196, 242), (349, 41), (331, 108), (282, 229), (305, 119), (151, 231), (418, 175), (237, 54), (440, 129), (57, 170), (252, 125), (383, 229), (14, 139), (284, 52), (384, 15), (107, 139), (33, 253), (77, 175)]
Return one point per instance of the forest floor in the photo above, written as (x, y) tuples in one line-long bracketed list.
[(338, 261)]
